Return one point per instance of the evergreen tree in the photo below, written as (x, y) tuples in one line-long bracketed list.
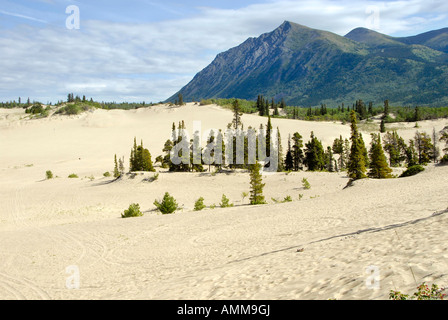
[(382, 126), (236, 114), (167, 205), (268, 137), (329, 160), (121, 165), (116, 171), (338, 148), (395, 146), (356, 163), (199, 204), (140, 159), (379, 168), (417, 114), (424, 147), (276, 113), (314, 154), (180, 100), (256, 184), (168, 146), (133, 159), (282, 104), (260, 105), (147, 161), (281, 165), (370, 110), (297, 152), (411, 154), (209, 152), (386, 109), (289, 162), (365, 153)]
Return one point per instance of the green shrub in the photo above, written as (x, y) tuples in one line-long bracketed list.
[(412, 171), (225, 202), (73, 176), (423, 293), (287, 199), (306, 185), (168, 204), (49, 174), (133, 211), (199, 204), (106, 174)]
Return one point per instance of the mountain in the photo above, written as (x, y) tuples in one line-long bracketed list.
[(307, 67)]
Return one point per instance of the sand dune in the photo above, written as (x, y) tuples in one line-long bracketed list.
[(50, 228)]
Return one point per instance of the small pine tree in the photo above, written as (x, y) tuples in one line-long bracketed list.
[(132, 211), (167, 205), (379, 168), (225, 202), (199, 204), (306, 185), (49, 175), (256, 184), (356, 164), (121, 165)]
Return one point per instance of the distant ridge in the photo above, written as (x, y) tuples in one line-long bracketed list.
[(307, 67)]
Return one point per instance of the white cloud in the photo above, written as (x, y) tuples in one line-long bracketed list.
[(102, 59)]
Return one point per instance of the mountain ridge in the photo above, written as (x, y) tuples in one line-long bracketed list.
[(307, 67)]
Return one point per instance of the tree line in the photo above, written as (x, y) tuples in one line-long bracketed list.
[(350, 154)]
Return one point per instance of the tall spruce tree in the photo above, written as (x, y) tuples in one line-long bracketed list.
[(357, 161), (297, 152), (256, 184), (289, 161), (116, 171), (379, 169), (281, 165), (424, 147), (411, 154), (268, 137), (236, 114), (314, 154), (329, 159)]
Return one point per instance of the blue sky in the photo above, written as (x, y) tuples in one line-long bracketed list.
[(146, 50)]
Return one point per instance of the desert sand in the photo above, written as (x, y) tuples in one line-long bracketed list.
[(325, 244)]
